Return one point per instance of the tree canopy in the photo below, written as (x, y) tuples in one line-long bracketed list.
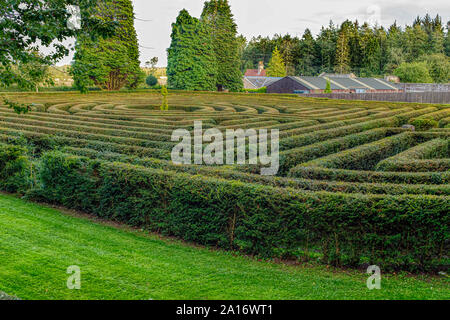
[(220, 22), (277, 67), (353, 47), (191, 59), (27, 24), (113, 62)]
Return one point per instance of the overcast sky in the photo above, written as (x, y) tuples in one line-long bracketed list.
[(268, 17)]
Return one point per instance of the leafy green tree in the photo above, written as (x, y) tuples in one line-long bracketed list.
[(276, 67), (25, 24), (191, 58), (34, 73), (415, 72), (220, 22), (395, 57), (110, 63), (151, 64), (151, 81), (439, 67)]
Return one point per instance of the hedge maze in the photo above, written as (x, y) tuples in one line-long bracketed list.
[(354, 187)]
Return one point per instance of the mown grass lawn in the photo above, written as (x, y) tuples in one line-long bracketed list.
[(38, 243)]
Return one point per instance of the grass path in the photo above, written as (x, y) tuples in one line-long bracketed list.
[(38, 243)]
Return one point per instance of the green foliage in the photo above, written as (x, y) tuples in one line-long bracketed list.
[(307, 64), (19, 108), (151, 81), (165, 100), (260, 90), (351, 47), (424, 124), (328, 87), (438, 67), (342, 64), (191, 60), (34, 73), (28, 23), (432, 155), (415, 72), (14, 168), (322, 205), (220, 22), (110, 63), (200, 209), (276, 67)]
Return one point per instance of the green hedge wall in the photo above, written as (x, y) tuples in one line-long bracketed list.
[(15, 168), (396, 232)]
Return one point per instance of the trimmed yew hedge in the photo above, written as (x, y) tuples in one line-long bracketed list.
[(369, 176), (394, 232), (15, 175), (227, 173)]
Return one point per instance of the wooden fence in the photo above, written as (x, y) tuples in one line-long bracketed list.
[(421, 97)]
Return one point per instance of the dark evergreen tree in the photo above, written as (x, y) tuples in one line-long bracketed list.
[(326, 48), (219, 20), (191, 59), (307, 63), (109, 63)]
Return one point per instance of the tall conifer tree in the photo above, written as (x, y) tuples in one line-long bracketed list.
[(277, 67), (342, 63), (219, 19), (191, 59)]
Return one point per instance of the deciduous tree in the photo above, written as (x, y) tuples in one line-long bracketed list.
[(113, 62)]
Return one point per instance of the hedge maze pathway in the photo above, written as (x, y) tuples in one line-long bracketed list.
[(336, 147)]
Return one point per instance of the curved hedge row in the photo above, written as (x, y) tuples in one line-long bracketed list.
[(316, 207), (429, 156), (395, 232)]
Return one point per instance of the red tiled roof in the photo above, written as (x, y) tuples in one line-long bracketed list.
[(254, 73)]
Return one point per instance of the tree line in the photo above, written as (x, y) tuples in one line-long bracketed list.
[(206, 53), (417, 53)]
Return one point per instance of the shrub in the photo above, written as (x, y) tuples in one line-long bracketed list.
[(151, 81), (260, 90), (424, 124), (14, 168)]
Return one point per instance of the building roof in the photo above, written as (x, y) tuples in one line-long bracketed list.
[(343, 83), (349, 83), (315, 83), (337, 75), (259, 82), (378, 84), (255, 73)]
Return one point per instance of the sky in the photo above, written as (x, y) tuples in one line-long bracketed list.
[(269, 17)]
